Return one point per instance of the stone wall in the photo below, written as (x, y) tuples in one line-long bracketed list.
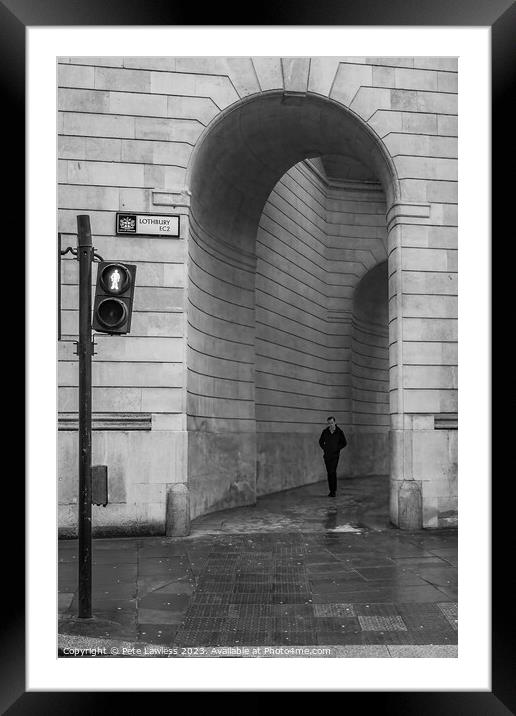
[(141, 134)]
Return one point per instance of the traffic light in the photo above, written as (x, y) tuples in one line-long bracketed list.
[(113, 304)]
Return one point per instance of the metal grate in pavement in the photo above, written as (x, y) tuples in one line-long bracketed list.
[(287, 586), (250, 610), (205, 610), (209, 598), (249, 638), (334, 610), (252, 588), (248, 598), (217, 624), (424, 617), (254, 623), (375, 623), (253, 578), (450, 611)]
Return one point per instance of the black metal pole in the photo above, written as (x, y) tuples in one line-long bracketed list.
[(84, 349)]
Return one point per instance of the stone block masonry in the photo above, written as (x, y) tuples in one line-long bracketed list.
[(296, 181)]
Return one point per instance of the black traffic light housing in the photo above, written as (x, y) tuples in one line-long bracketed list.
[(113, 306)]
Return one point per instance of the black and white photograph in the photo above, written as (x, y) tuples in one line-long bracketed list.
[(257, 451), (258, 377)]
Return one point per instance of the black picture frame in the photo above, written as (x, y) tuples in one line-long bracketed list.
[(500, 15)]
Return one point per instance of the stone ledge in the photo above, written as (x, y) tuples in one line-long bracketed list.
[(446, 421), (406, 210), (107, 421)]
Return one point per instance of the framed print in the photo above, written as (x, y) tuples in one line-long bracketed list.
[(256, 449)]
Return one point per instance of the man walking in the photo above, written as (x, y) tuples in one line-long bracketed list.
[(332, 441)]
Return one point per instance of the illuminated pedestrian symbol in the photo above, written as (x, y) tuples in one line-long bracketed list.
[(115, 280)]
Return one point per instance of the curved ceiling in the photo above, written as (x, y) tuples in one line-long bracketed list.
[(244, 153)]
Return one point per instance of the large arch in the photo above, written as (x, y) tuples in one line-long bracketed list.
[(237, 163)]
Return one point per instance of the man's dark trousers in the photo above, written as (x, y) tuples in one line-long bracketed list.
[(331, 462)]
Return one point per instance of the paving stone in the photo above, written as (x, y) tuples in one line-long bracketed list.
[(376, 609), (417, 561), (294, 638), (348, 590), (64, 601), (292, 609), (438, 576), (450, 592), (290, 598), (337, 625), (179, 588), (159, 616), (162, 600), (426, 621), (346, 586)]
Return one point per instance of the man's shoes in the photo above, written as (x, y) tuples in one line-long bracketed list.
[(331, 494)]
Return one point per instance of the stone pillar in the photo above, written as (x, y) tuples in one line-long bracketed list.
[(422, 337), (406, 509), (178, 511)]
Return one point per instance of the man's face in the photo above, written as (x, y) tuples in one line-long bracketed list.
[(331, 424)]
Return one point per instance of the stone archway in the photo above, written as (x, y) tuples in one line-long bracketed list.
[(238, 162)]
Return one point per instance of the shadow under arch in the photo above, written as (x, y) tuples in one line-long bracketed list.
[(238, 160), (370, 373), (248, 147)]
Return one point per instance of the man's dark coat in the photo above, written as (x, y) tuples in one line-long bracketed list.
[(332, 444)]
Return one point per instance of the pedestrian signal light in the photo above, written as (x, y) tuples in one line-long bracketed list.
[(113, 304)]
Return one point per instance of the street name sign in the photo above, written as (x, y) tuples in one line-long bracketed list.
[(128, 223)]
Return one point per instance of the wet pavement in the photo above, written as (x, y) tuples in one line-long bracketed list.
[(298, 569)]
